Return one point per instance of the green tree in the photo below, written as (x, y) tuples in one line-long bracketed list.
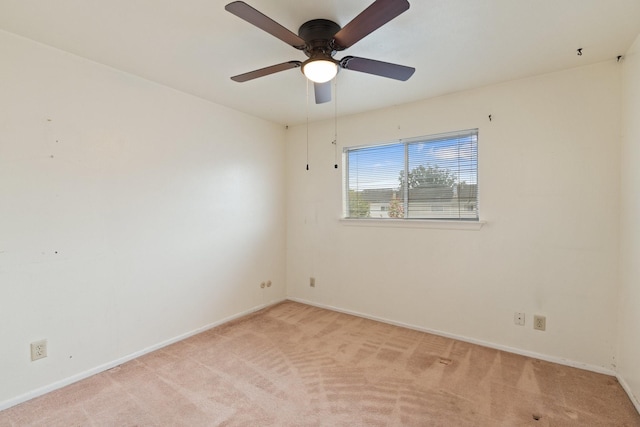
[(430, 177), (358, 207)]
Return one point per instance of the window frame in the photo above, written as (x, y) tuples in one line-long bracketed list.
[(447, 222)]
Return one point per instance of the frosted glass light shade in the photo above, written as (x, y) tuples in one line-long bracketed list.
[(320, 70)]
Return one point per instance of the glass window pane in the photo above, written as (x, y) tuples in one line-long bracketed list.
[(429, 178), (374, 180)]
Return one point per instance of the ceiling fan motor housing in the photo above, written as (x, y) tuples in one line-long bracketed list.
[(318, 34)]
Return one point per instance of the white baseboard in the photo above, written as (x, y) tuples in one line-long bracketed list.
[(553, 359), (632, 396), (105, 367)]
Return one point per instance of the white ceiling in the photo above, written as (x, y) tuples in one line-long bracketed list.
[(195, 45)]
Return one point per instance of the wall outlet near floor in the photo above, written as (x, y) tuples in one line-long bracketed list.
[(312, 282), (38, 350), (539, 323), (518, 318)]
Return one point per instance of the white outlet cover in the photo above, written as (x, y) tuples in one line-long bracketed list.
[(38, 350), (540, 323)]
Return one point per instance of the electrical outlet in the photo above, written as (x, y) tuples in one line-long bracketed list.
[(539, 323), (38, 350), (312, 282), (518, 318)]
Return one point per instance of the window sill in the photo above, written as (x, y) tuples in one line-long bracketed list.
[(415, 223)]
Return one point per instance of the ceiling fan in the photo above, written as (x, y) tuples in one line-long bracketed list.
[(320, 39)]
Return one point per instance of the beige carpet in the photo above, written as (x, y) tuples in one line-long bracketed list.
[(296, 365)]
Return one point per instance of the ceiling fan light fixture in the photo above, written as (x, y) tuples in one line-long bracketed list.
[(320, 70)]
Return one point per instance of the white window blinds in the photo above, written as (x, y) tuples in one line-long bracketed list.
[(430, 177)]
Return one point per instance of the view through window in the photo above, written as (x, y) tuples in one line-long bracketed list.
[(430, 177)]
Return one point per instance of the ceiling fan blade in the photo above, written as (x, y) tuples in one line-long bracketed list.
[(266, 71), (379, 68), (260, 20), (323, 92), (375, 16)]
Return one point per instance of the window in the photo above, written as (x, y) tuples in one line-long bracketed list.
[(430, 177)]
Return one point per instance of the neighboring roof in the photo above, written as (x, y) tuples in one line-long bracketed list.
[(423, 194)]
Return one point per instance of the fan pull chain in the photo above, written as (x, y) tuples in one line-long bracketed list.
[(335, 124), (307, 105)]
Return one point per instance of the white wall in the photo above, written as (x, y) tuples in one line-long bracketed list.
[(130, 214), (549, 193), (629, 363)]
